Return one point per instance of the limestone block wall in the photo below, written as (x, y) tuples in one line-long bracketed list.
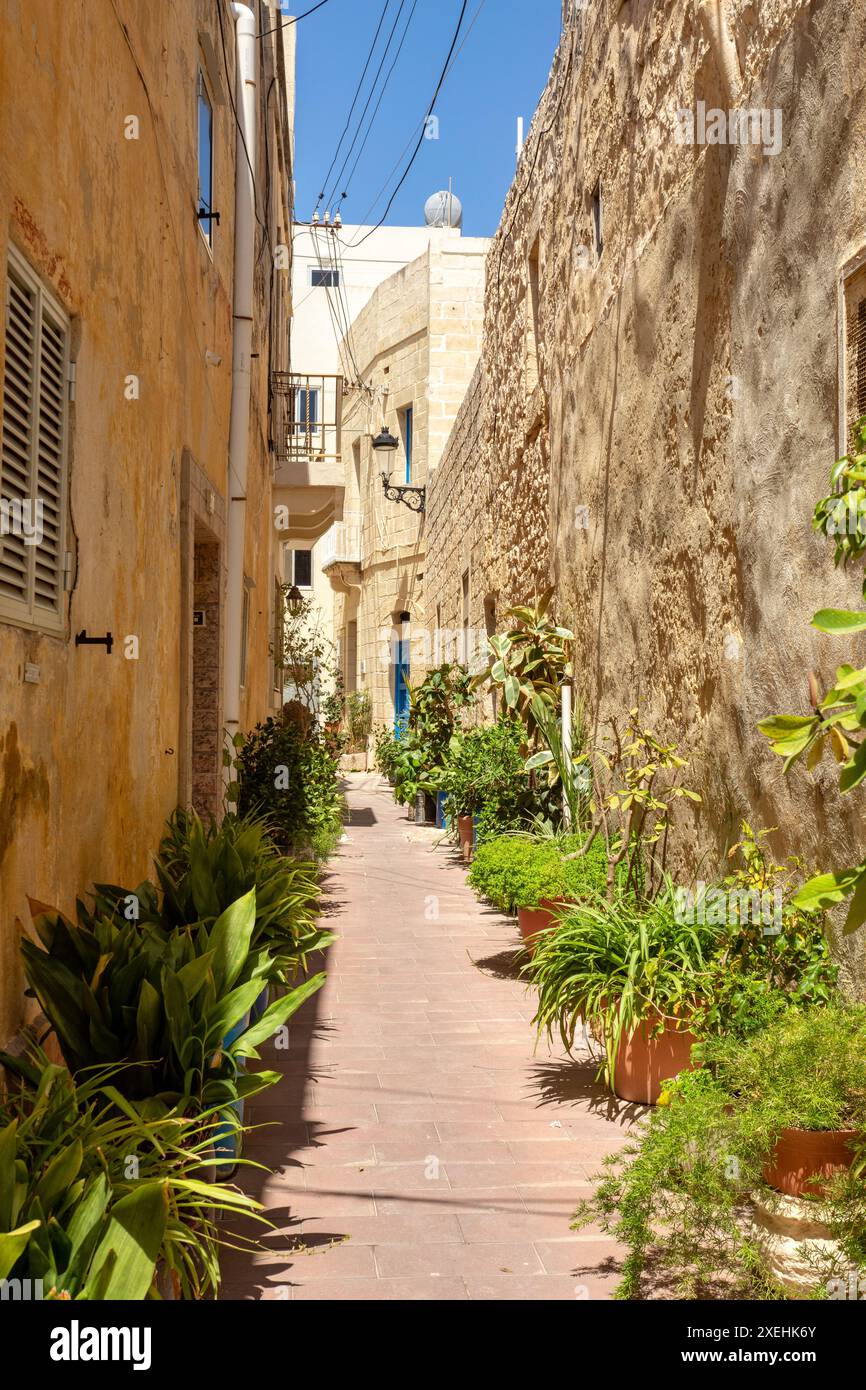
[(416, 344), (691, 392)]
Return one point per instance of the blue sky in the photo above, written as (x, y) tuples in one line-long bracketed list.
[(499, 75)]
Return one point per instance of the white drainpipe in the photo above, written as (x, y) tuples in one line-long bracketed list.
[(242, 336)]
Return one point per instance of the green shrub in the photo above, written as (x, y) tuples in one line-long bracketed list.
[(118, 992), (203, 867), (485, 777), (677, 1195), (515, 871), (387, 750), (290, 778), (761, 969), (76, 1214)]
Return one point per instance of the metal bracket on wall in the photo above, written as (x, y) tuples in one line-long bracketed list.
[(82, 640), (412, 497)]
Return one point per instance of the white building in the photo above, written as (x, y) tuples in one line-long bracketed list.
[(335, 271)]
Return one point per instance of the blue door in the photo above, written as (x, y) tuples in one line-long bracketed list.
[(401, 685)]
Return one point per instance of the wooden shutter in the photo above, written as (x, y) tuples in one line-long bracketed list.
[(16, 460), (33, 462)]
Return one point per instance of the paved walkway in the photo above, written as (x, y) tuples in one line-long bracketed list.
[(422, 1147)]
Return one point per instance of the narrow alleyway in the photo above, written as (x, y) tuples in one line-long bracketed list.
[(425, 1150)]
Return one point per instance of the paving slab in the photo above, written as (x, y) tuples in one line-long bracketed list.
[(422, 1144)]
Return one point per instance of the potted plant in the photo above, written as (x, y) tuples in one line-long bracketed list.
[(536, 879), (633, 971), (487, 789), (772, 1123)]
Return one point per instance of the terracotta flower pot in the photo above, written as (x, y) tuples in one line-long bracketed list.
[(643, 1063), (533, 920), (466, 832), (803, 1157)]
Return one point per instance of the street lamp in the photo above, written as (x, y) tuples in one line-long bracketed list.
[(295, 601), (412, 497), (385, 441)]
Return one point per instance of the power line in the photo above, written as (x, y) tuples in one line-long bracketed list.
[(382, 62), (420, 126), (340, 327), (429, 113), (293, 20), (539, 140), (230, 81), (354, 100), (379, 102)]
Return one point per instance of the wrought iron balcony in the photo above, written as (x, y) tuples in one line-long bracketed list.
[(307, 412)]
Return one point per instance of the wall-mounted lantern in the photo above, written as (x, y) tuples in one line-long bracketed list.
[(412, 497)]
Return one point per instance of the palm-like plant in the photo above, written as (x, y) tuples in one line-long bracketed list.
[(529, 662), (166, 1001), (204, 867), (94, 1195), (617, 965)]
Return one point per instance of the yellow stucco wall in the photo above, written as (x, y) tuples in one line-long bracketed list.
[(89, 754)]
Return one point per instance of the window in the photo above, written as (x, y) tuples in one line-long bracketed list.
[(302, 568), (464, 656), (34, 460), (406, 428), (855, 349), (598, 221), (205, 160), (324, 277), (279, 633), (306, 413)]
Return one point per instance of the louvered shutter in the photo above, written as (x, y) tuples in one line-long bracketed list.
[(33, 462)]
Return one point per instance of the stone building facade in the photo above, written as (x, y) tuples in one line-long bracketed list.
[(116, 377), (673, 355), (416, 344)]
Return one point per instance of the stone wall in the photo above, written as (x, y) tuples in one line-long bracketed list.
[(690, 397), (416, 344)]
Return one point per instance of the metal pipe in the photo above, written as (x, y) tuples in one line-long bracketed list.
[(242, 334)]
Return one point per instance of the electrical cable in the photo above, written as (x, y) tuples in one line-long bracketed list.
[(293, 20), (337, 181), (230, 81), (539, 140), (352, 107), (379, 102), (405, 173), (421, 126)]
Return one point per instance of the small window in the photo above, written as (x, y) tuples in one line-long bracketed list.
[(205, 160), (323, 277), (464, 656), (406, 429), (279, 633), (855, 349), (306, 413), (302, 568), (598, 221), (34, 461)]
